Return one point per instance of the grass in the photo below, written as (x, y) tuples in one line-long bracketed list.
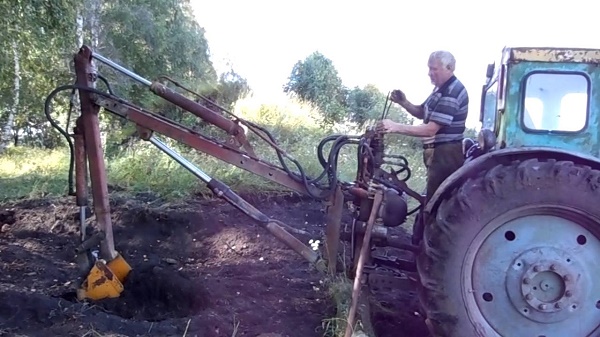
[(340, 291), (33, 173)]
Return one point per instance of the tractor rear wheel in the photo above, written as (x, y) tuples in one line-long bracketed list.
[(514, 252)]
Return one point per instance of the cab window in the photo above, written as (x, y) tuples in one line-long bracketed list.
[(556, 102), (490, 106)]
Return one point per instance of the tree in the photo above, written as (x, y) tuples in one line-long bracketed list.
[(316, 80), (365, 104), (368, 104), (150, 37), (230, 88), (36, 32)]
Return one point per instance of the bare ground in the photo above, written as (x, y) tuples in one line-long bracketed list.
[(201, 268)]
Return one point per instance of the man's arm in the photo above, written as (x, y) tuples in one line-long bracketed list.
[(415, 110), (423, 130), (442, 116)]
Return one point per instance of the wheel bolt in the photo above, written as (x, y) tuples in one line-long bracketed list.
[(557, 305), (536, 269), (526, 280), (529, 297), (567, 278), (568, 293), (553, 267), (542, 307)]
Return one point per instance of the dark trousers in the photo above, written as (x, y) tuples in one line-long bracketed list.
[(441, 161)]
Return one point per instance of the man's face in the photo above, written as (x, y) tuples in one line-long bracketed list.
[(438, 73)]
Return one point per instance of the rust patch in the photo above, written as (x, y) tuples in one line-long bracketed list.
[(577, 55)]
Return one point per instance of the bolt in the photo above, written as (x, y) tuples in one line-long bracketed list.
[(542, 306), (526, 280), (557, 305), (537, 268), (529, 297), (553, 267), (568, 293), (567, 278)]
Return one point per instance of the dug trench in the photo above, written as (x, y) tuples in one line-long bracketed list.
[(200, 268)]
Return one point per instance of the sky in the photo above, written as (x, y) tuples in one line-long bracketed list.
[(386, 43)]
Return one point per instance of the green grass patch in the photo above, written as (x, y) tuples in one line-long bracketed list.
[(33, 172)]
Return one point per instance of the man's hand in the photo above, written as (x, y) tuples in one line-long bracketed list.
[(385, 126), (398, 96)]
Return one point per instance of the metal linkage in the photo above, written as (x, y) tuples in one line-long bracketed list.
[(121, 69), (224, 192)]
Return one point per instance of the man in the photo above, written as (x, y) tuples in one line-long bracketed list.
[(443, 113)]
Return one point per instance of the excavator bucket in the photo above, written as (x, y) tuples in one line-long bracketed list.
[(105, 280), (120, 268)]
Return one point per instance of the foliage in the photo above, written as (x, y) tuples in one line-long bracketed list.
[(369, 103), (35, 38), (316, 80), (154, 38), (150, 37)]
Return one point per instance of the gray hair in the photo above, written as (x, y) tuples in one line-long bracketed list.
[(445, 57)]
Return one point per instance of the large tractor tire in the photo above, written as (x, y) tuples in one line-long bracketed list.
[(515, 252)]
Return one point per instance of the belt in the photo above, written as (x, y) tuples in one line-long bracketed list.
[(434, 145)]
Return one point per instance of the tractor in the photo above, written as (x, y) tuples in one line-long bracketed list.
[(510, 239), (505, 246)]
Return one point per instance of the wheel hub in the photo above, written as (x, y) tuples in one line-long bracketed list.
[(546, 288), (534, 276), (542, 284)]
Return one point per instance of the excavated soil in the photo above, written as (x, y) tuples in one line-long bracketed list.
[(200, 268)]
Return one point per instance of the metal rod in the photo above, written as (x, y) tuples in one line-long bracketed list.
[(365, 249), (94, 151), (82, 222), (181, 160), (199, 110), (121, 69), (332, 229), (81, 174)]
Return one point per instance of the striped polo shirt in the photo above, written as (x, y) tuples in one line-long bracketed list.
[(448, 107)]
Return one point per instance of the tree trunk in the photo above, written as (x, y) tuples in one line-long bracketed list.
[(8, 129), (79, 41), (79, 29), (95, 6)]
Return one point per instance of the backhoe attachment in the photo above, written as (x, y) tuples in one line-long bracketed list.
[(106, 272)]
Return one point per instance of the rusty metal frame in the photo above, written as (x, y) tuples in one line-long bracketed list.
[(198, 141), (89, 147), (576, 55), (86, 77)]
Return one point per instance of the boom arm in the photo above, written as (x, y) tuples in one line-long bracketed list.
[(228, 152), (150, 122), (147, 123)]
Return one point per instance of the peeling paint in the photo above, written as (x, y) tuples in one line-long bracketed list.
[(512, 132), (578, 55)]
